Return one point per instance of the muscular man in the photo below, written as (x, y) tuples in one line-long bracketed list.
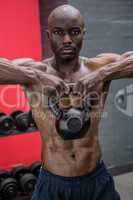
[(76, 87)]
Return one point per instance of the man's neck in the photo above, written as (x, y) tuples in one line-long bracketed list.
[(66, 67)]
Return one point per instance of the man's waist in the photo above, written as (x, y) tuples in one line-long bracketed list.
[(71, 171), (98, 170)]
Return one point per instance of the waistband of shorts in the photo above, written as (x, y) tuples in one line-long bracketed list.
[(99, 170)]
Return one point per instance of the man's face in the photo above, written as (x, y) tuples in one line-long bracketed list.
[(66, 37)]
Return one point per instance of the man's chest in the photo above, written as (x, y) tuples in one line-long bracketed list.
[(70, 76)]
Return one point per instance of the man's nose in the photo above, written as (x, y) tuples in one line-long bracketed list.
[(67, 39)]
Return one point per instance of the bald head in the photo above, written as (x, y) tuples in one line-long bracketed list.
[(65, 12), (66, 29)]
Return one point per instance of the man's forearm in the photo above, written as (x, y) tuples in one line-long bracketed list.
[(119, 69), (11, 73)]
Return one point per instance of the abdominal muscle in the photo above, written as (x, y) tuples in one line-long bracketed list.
[(68, 157), (70, 161)]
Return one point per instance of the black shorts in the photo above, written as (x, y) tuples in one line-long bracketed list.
[(95, 185)]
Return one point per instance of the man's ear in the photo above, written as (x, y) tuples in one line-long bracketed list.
[(48, 34), (84, 31)]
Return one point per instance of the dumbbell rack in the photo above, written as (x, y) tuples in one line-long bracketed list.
[(16, 122), (20, 151), (19, 183)]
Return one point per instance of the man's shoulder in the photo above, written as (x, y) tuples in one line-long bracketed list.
[(101, 59), (48, 61), (110, 56)]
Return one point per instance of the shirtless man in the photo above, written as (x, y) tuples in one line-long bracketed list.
[(72, 166)]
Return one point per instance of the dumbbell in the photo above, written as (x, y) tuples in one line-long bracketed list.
[(31, 120), (21, 120), (26, 180), (35, 168), (6, 122), (8, 186)]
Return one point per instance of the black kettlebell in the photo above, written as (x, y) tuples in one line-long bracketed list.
[(72, 122)]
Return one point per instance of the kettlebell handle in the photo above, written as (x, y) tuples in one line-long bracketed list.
[(54, 107)]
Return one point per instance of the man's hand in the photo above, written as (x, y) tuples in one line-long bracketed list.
[(88, 83), (127, 54), (51, 85), (119, 69)]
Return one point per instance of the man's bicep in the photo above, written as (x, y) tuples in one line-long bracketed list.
[(10, 73), (29, 62), (107, 58), (122, 68), (122, 71), (102, 59)]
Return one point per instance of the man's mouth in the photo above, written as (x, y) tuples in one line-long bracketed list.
[(67, 50)]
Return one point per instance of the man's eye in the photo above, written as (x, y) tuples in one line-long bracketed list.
[(58, 32), (76, 32)]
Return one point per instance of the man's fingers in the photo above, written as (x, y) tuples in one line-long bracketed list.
[(79, 88), (76, 87), (128, 60), (127, 54), (50, 91), (66, 89), (85, 89)]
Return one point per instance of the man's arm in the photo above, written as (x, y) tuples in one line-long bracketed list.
[(12, 72), (122, 68), (101, 60)]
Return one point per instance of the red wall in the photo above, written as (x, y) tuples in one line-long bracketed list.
[(19, 37), (20, 29)]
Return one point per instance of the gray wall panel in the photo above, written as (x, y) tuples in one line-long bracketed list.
[(109, 25)]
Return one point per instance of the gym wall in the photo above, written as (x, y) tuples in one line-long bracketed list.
[(109, 27)]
